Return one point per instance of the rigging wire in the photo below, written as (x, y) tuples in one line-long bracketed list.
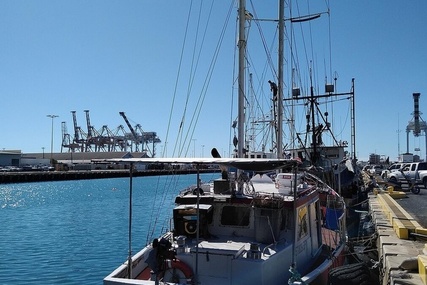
[(177, 80), (191, 77), (264, 43), (192, 73), (343, 128), (206, 83), (330, 36)]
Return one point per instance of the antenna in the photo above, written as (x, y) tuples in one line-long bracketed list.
[(398, 135)]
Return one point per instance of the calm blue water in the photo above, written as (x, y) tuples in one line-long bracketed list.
[(76, 232)]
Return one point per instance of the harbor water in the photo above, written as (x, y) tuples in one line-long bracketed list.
[(76, 232)]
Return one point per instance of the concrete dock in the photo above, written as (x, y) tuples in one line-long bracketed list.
[(402, 252), (41, 176)]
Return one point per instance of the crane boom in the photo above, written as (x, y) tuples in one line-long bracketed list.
[(131, 129), (76, 128), (89, 127)]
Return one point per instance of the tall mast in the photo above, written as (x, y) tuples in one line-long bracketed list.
[(315, 156), (241, 79), (280, 80)]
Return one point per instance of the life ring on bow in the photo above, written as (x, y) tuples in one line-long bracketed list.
[(190, 227), (177, 270)]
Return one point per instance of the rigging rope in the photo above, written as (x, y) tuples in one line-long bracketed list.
[(176, 81), (206, 83), (191, 77)]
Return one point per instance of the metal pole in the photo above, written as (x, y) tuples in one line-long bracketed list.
[(294, 189), (130, 222), (280, 80), (353, 122), (51, 138), (196, 281), (241, 80)]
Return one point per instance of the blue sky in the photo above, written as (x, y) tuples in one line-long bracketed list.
[(112, 56)]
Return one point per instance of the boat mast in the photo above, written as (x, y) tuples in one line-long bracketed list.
[(241, 79), (315, 155), (353, 123), (280, 80)]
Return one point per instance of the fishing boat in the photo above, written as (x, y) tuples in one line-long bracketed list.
[(264, 220), (331, 162), (334, 161), (237, 230)]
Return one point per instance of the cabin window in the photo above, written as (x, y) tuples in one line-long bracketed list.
[(235, 216), (302, 222)]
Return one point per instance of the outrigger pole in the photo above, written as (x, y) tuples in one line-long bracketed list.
[(130, 221)]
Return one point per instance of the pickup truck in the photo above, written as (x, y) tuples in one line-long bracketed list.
[(422, 177), (392, 168), (410, 171)]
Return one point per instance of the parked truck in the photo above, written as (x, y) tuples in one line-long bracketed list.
[(392, 168), (422, 177), (413, 173)]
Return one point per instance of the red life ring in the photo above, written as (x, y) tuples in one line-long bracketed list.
[(176, 264)]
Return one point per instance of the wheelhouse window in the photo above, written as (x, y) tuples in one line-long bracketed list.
[(235, 216), (302, 222)]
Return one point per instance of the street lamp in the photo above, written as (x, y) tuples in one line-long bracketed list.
[(51, 137), (194, 147)]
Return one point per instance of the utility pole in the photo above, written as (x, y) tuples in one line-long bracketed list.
[(51, 137)]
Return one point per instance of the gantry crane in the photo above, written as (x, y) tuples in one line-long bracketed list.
[(66, 138), (148, 137), (106, 140), (67, 142), (135, 139), (77, 134)]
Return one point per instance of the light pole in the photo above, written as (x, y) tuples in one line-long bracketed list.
[(194, 147), (51, 137)]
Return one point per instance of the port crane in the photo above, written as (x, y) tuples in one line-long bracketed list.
[(135, 138), (142, 138), (106, 140)]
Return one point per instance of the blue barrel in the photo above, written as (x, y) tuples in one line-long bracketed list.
[(332, 216)]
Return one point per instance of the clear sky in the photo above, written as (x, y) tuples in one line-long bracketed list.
[(110, 56)]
